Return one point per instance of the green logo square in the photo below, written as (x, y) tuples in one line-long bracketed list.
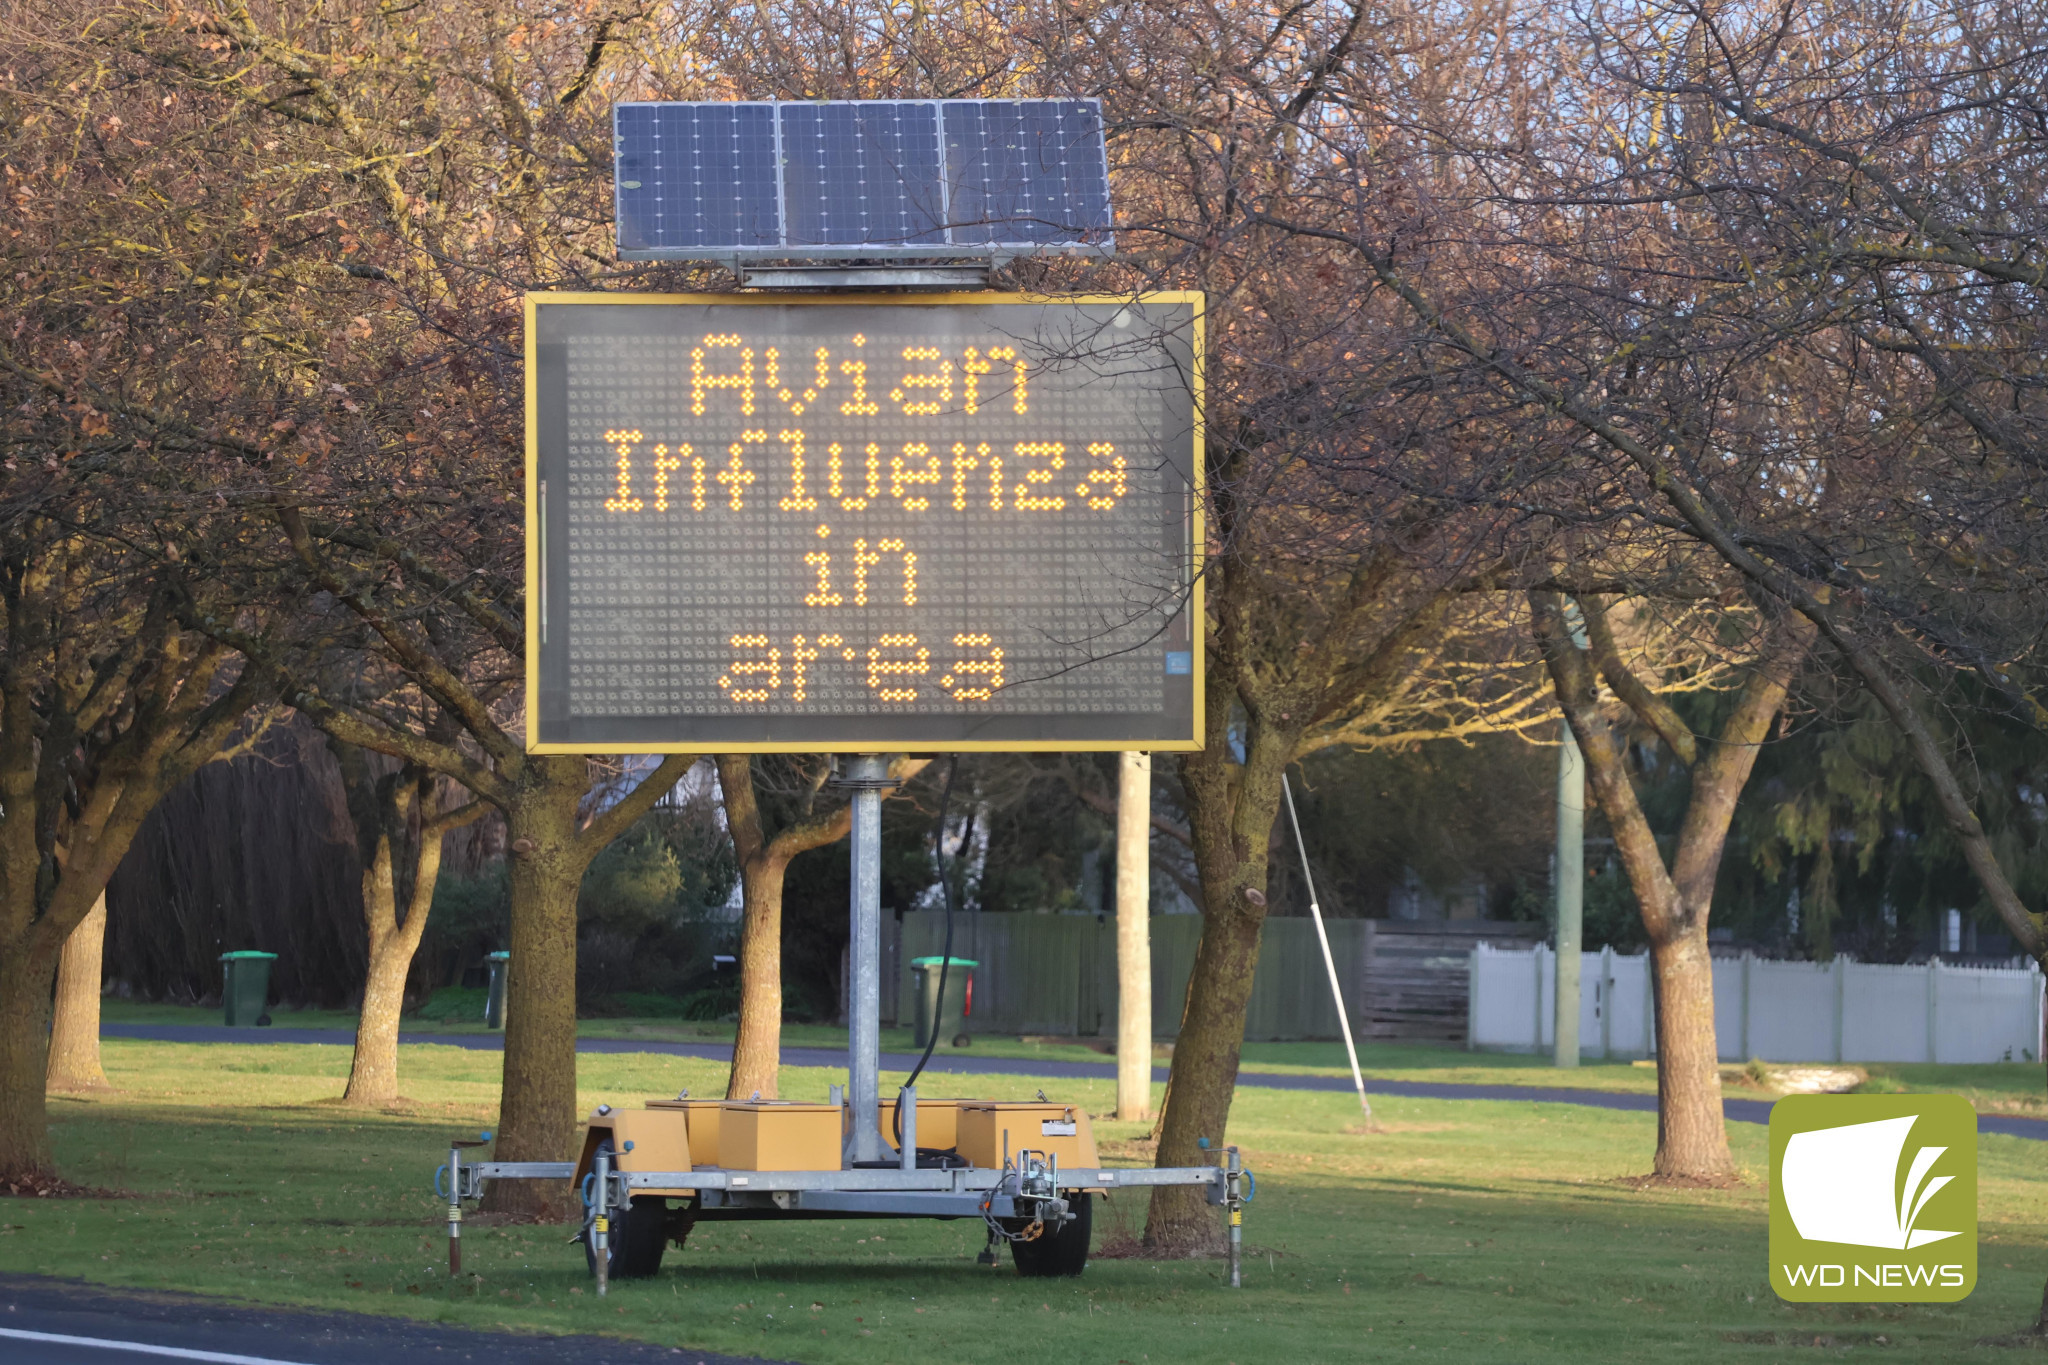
[(1873, 1198)]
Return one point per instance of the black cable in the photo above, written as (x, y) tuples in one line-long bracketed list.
[(945, 955)]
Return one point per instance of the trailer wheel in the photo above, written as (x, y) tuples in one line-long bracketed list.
[(1061, 1250), (639, 1234)]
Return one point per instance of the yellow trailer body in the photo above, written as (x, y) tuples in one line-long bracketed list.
[(661, 1142), (779, 1135), (938, 1121), (989, 1128), (702, 1119)]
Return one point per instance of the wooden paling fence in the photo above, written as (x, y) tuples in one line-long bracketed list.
[(1056, 974)]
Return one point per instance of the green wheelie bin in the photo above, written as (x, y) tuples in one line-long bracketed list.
[(948, 1016), (245, 988)]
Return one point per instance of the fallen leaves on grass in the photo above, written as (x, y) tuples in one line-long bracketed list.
[(1822, 1339), (36, 1185), (1681, 1182), (506, 1220), (2020, 1341)]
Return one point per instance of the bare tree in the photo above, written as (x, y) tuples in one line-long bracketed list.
[(1676, 897), (107, 700), (430, 166)]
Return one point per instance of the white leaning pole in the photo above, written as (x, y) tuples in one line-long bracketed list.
[(1571, 896), (1315, 911), (1133, 936), (1570, 857)]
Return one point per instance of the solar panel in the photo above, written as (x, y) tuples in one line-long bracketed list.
[(862, 172), (859, 178), (1025, 170), (696, 175)]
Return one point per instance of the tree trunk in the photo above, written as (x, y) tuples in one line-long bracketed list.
[(1204, 1075), (757, 1052), (75, 1026), (1231, 813), (1692, 1137), (373, 1074), (537, 1112), (25, 985)]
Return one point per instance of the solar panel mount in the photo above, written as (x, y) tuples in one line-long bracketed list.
[(846, 181)]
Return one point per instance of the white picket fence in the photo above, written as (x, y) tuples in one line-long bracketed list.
[(1839, 1011)]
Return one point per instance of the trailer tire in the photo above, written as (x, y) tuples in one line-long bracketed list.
[(1061, 1250), (639, 1234)]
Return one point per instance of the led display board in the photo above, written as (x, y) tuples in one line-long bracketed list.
[(860, 522)]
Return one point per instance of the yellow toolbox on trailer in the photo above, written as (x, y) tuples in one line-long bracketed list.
[(1061, 1130), (777, 1135), (701, 1117), (938, 1122), (661, 1142)]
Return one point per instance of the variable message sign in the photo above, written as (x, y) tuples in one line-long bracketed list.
[(854, 522)]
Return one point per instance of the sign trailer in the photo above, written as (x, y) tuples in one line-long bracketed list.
[(856, 523)]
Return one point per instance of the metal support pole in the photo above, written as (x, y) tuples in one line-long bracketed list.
[(455, 1198), (1133, 936), (867, 773), (906, 1110), (601, 1223), (1571, 894), (454, 1212), (1236, 1203), (1315, 911)]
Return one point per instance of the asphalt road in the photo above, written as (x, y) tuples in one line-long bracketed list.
[(65, 1322), (959, 1063)]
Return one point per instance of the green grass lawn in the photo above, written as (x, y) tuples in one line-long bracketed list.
[(2008, 1088), (1464, 1230)]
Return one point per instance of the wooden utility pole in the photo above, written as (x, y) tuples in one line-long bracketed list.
[(1133, 936)]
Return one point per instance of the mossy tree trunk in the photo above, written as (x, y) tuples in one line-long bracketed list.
[(1232, 811), (553, 841), (25, 981), (537, 1114)]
